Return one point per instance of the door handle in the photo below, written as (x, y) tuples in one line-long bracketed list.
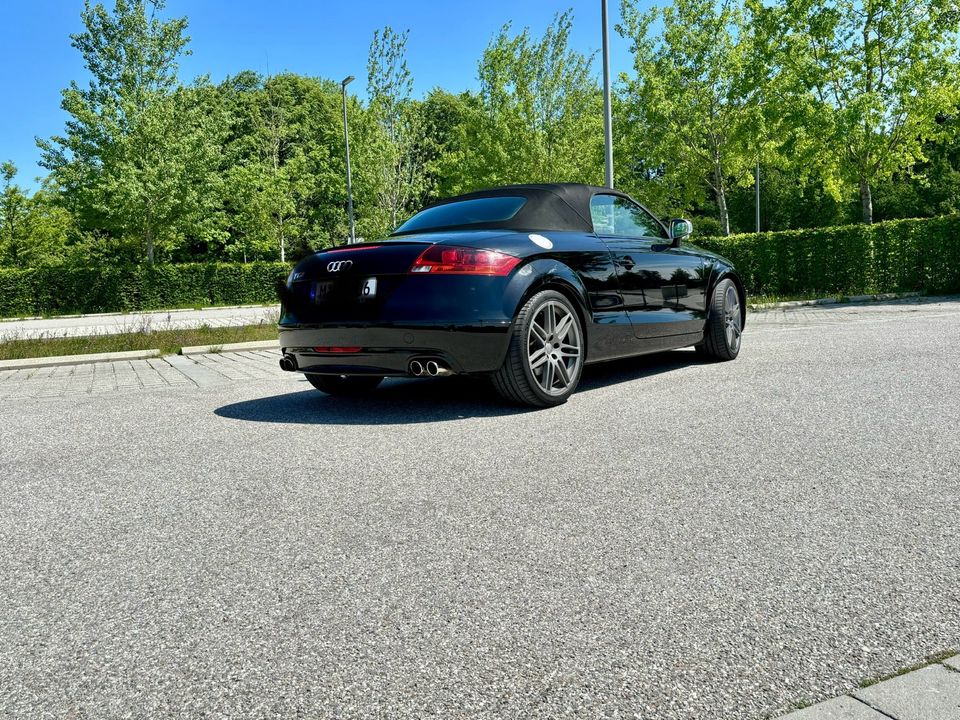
[(626, 262)]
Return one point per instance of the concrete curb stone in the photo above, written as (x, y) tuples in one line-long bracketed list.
[(231, 347), (57, 360), (760, 307)]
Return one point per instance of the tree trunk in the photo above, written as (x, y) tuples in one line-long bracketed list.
[(866, 201), (721, 201), (149, 239)]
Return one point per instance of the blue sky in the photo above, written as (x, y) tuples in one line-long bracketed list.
[(318, 37)]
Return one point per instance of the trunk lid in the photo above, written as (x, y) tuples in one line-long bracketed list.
[(350, 284)]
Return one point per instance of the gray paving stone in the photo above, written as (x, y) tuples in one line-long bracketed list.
[(198, 373), (953, 662), (931, 693), (840, 708)]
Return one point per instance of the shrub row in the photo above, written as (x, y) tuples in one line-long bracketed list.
[(58, 290), (893, 256)]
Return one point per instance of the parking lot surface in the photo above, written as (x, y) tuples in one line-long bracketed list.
[(212, 537)]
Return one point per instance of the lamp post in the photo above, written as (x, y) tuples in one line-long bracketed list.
[(607, 114), (346, 142), (756, 187)]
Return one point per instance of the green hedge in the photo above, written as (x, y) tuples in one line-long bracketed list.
[(894, 256), (58, 290)]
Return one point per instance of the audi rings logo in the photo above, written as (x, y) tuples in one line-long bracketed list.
[(338, 265)]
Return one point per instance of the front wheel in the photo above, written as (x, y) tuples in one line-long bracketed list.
[(545, 357), (721, 336), (344, 384)]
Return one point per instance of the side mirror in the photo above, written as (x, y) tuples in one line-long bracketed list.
[(680, 230)]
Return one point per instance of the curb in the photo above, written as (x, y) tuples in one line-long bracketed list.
[(836, 300), (58, 360), (231, 347)]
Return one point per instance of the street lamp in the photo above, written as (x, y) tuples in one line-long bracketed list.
[(607, 114), (346, 141)]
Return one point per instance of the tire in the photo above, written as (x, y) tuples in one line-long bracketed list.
[(724, 329), (545, 358), (344, 384)]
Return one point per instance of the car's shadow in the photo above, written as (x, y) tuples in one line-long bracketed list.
[(401, 401)]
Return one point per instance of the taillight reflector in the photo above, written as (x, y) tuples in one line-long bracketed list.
[(463, 261), (337, 349)]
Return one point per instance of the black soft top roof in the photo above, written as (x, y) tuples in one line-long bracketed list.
[(554, 206)]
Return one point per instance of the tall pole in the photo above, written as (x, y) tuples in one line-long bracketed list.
[(756, 185), (346, 142), (607, 115)]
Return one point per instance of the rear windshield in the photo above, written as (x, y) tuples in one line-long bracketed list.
[(464, 212)]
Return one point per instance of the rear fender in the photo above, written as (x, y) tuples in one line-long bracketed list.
[(546, 274)]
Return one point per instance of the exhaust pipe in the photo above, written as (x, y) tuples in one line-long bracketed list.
[(288, 363), (432, 368), (416, 368)]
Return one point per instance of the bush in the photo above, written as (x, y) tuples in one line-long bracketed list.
[(895, 256), (62, 289)]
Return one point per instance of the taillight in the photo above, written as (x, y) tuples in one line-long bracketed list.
[(464, 261)]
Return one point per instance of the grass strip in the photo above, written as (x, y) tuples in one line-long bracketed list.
[(168, 341)]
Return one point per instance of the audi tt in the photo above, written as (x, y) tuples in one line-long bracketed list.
[(524, 284)]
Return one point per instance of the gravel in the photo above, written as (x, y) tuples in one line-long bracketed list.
[(680, 540)]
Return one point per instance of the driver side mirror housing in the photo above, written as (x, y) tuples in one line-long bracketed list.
[(680, 229)]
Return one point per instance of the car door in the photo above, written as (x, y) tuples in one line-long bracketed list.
[(662, 286)]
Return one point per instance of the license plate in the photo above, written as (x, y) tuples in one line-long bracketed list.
[(368, 289), (321, 291)]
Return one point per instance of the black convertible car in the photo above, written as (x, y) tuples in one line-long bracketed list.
[(525, 284)]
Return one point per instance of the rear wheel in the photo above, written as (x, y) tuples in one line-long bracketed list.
[(545, 357), (344, 384), (721, 337)]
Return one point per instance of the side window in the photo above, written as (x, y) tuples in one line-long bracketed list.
[(614, 215)]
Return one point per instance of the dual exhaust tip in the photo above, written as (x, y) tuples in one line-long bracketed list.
[(417, 368), (428, 368)]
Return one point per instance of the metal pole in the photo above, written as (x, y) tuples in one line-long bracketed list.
[(346, 142), (607, 115), (756, 185)]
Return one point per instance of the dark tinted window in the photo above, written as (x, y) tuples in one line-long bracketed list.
[(465, 212), (614, 215)]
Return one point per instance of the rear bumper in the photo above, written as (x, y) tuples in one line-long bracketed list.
[(474, 348)]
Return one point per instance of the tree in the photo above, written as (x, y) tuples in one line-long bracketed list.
[(538, 116), (880, 71), (690, 100), (136, 155), (13, 214), (33, 230), (389, 88)]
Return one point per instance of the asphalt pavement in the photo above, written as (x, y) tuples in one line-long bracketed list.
[(680, 540)]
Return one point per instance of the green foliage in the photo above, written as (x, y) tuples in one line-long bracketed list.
[(879, 74), (33, 230), (835, 98), (895, 256), (538, 117), (59, 289), (692, 84), (137, 154), (389, 87)]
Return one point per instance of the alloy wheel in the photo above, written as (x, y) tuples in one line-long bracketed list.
[(732, 319), (554, 347)]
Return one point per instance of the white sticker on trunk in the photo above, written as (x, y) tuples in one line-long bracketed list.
[(541, 241)]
